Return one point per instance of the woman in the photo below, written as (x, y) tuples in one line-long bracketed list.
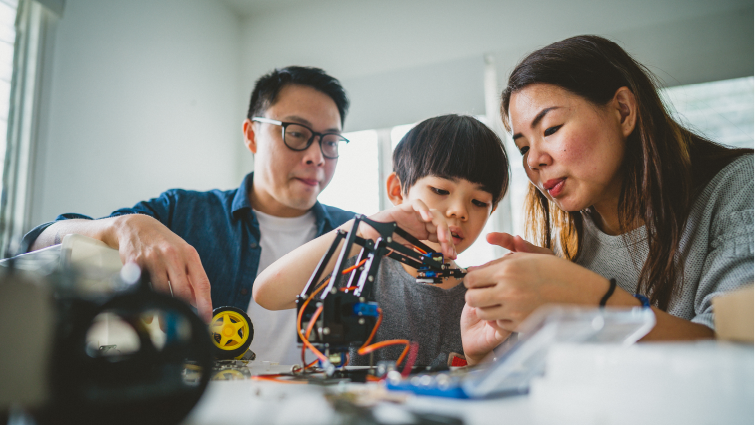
[(640, 210)]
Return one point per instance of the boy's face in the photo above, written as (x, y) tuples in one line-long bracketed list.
[(464, 204)]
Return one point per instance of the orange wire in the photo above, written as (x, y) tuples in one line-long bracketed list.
[(350, 269), (304, 339), (366, 349), (273, 378), (298, 324), (306, 342), (421, 251), (374, 330), (386, 343), (298, 369), (348, 288), (309, 331)]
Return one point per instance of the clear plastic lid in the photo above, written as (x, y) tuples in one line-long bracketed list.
[(517, 362)]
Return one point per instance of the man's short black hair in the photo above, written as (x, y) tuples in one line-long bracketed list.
[(269, 85), (453, 146)]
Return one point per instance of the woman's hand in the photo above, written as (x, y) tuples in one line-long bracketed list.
[(479, 337), (508, 289), (419, 221), (515, 243)]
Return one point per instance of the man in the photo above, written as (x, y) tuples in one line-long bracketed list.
[(208, 247)]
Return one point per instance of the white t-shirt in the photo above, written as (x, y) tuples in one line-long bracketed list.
[(275, 331)]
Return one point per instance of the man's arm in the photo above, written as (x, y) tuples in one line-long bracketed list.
[(54, 234), (173, 265)]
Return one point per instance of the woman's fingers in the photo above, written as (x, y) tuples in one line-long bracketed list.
[(488, 274), (515, 243), (504, 240), (483, 297)]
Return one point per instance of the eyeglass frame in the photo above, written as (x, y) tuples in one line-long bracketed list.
[(311, 140)]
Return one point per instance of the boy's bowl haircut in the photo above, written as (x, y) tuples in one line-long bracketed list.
[(453, 147)]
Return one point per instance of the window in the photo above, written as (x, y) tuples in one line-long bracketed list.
[(722, 110), (7, 42), (24, 26), (8, 9), (356, 185)]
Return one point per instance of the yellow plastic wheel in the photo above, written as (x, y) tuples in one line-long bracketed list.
[(232, 332)]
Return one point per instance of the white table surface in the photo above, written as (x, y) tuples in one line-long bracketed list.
[(257, 402)]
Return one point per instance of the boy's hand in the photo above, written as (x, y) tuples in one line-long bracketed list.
[(479, 337), (419, 221)]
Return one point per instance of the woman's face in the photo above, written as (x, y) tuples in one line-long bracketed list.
[(572, 149)]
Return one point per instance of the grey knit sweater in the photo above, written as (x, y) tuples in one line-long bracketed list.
[(717, 241)]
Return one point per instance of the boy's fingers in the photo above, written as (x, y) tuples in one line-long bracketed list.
[(444, 235)]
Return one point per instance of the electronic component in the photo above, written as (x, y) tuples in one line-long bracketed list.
[(341, 310)]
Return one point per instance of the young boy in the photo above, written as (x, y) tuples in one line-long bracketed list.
[(450, 172)]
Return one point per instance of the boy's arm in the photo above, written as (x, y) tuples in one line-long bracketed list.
[(278, 285)]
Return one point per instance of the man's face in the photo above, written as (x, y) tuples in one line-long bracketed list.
[(287, 182)]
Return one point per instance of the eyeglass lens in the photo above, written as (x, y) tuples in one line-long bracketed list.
[(297, 138)]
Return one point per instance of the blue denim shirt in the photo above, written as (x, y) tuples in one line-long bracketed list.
[(222, 227)]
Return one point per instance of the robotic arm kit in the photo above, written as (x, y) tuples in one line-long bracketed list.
[(343, 315)]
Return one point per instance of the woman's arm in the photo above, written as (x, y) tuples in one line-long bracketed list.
[(509, 289), (278, 285)]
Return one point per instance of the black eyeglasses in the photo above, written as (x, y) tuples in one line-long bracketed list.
[(298, 137)]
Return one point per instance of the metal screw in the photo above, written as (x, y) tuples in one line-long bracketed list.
[(370, 278), (361, 321), (325, 331), (334, 290), (390, 239), (361, 299)]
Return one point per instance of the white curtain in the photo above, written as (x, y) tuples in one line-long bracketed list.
[(23, 26)]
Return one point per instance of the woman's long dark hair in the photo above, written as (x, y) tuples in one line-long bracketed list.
[(665, 165)]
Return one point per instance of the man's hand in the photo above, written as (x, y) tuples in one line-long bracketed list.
[(419, 221), (479, 337), (172, 264)]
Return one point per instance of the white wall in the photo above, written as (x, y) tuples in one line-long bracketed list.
[(403, 60), (145, 95), (141, 96)]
